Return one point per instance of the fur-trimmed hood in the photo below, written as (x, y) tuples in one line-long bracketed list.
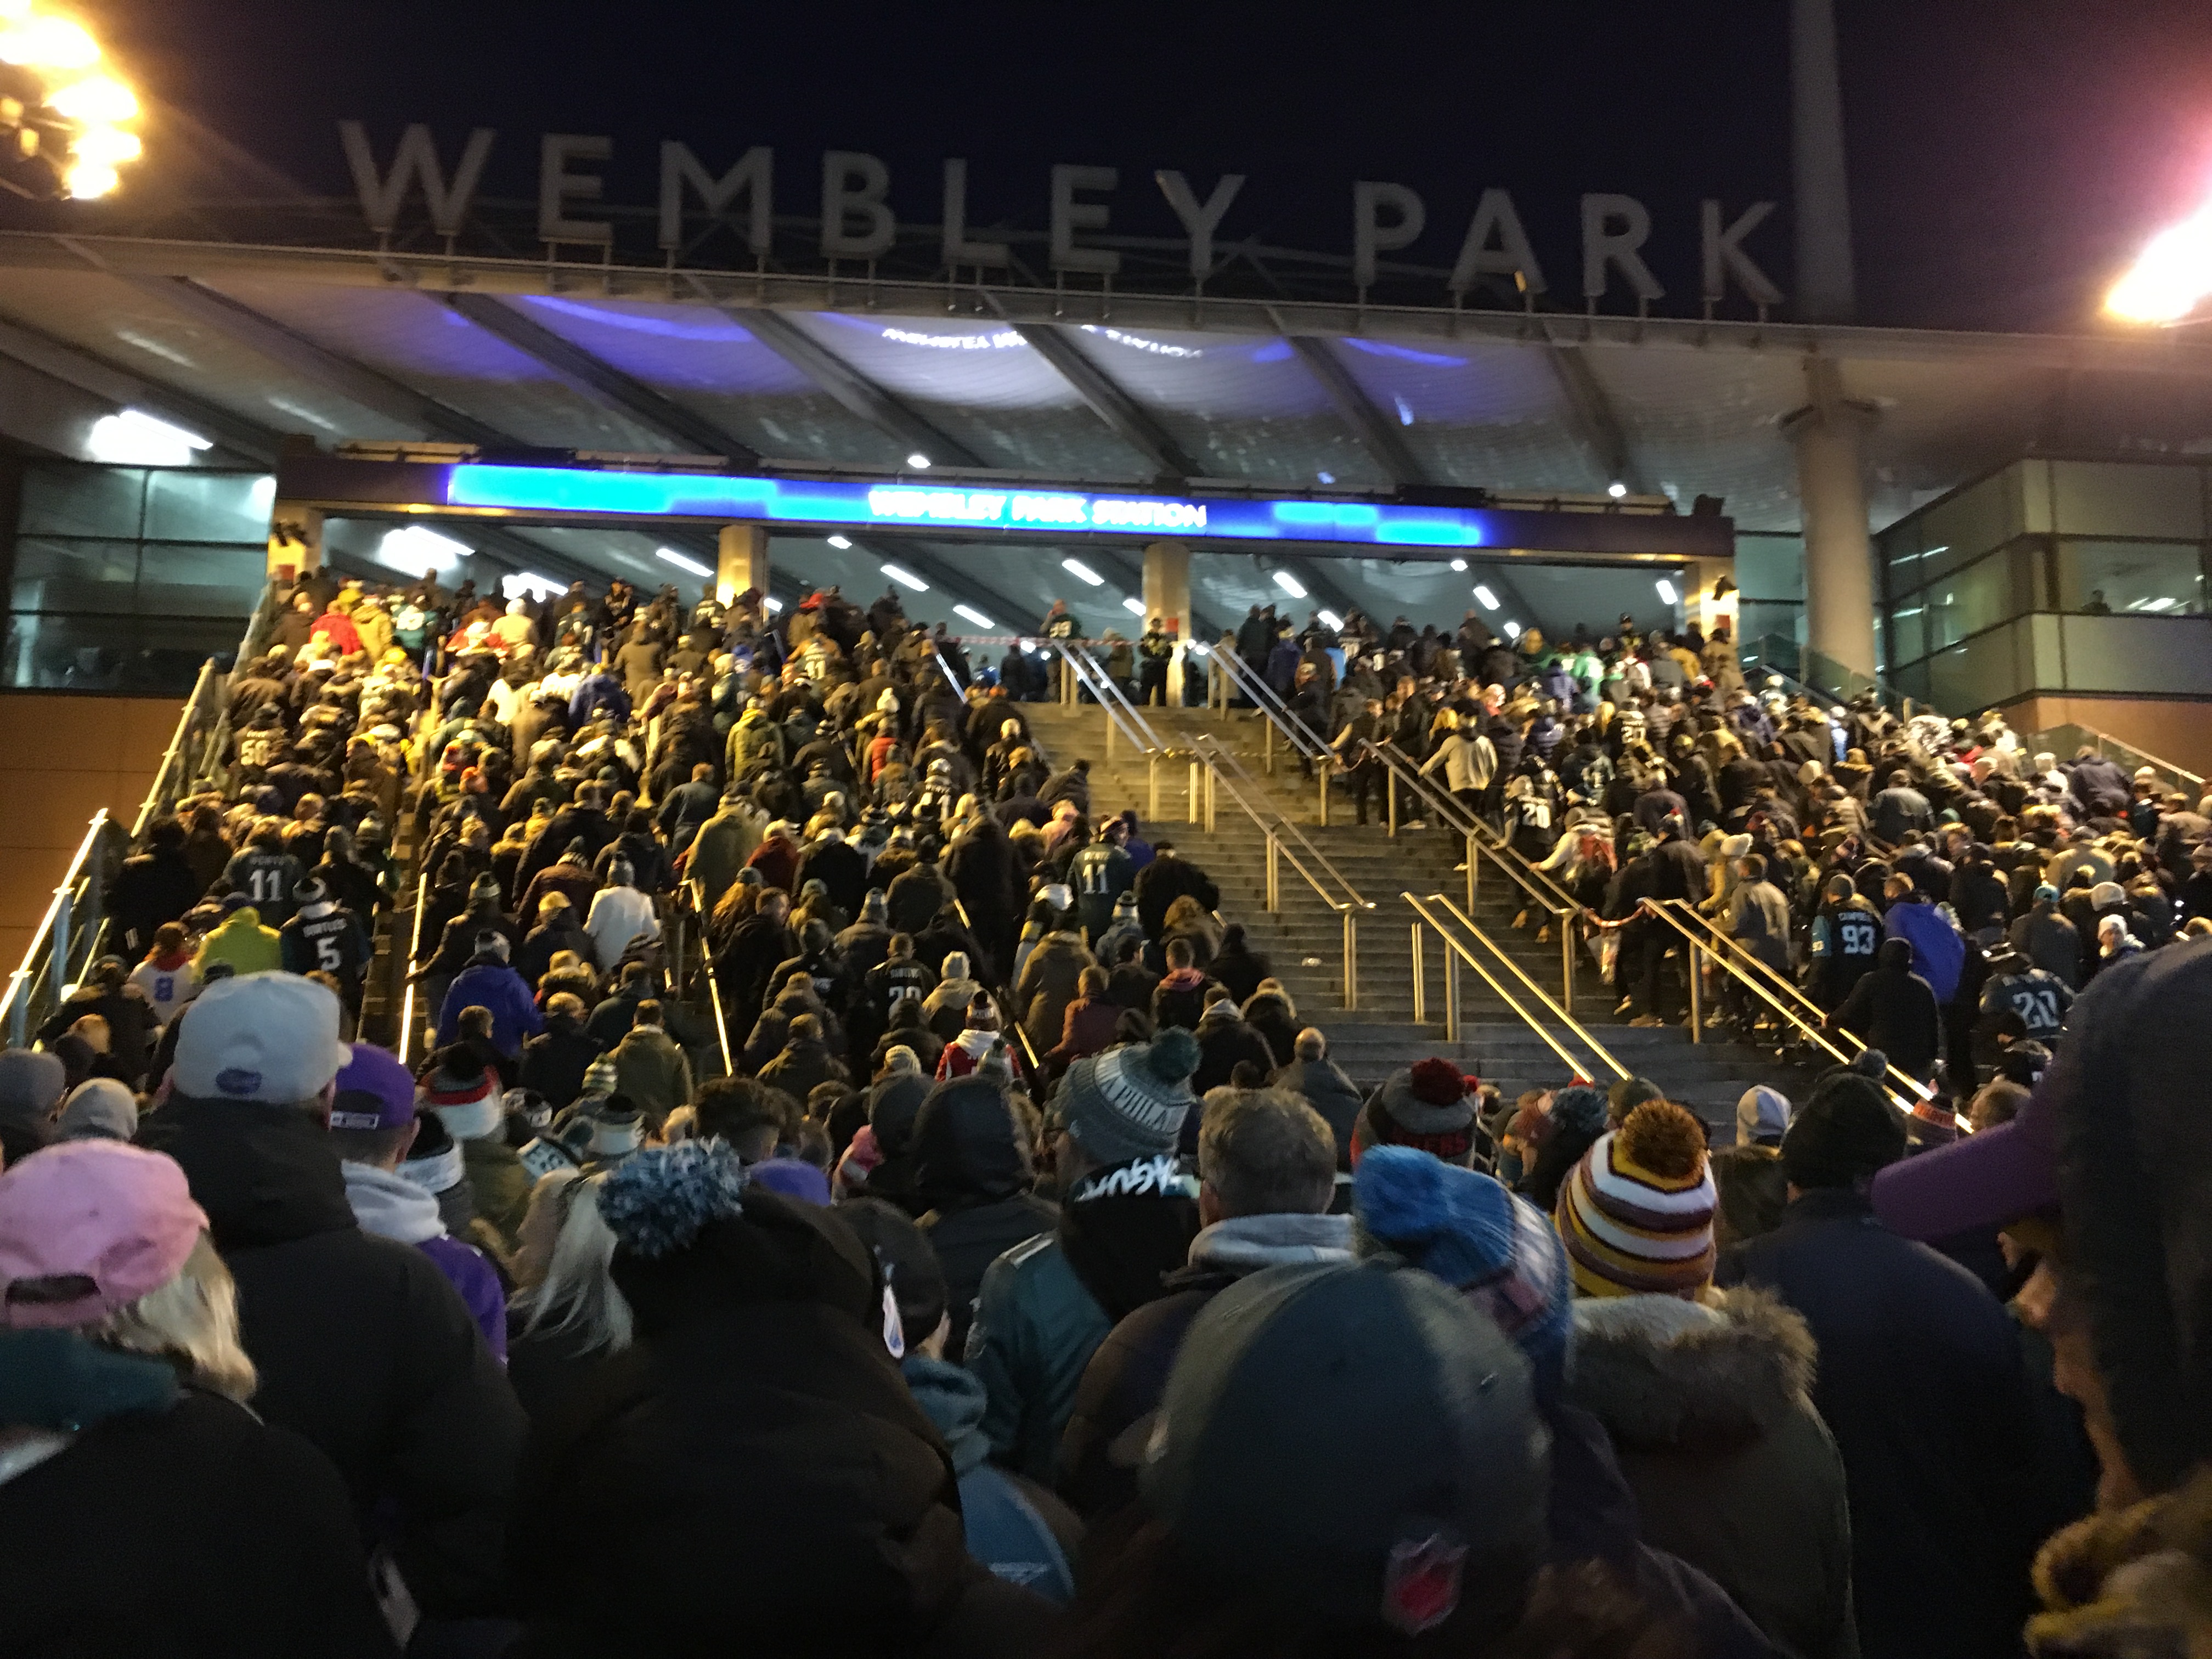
[(1690, 1378)]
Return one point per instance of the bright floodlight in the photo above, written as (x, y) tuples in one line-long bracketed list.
[(523, 581), (1489, 599), (47, 43), (683, 561), (1134, 607), (2172, 276), (906, 578), (1616, 490), (974, 616), (841, 541), (773, 605), (98, 100), (1290, 584), (417, 550), (1459, 564), (1666, 591), (1081, 571), (1332, 619), (918, 461), (1512, 629), (135, 438)]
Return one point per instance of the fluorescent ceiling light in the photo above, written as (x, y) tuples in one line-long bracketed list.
[(134, 438), (1489, 599), (841, 541), (683, 561), (1459, 564), (1082, 572), (906, 578), (774, 605), (1332, 619), (1290, 584), (1512, 629), (919, 461), (974, 616), (2162, 603), (1666, 591), (1616, 490), (418, 550), (1134, 607), (537, 587)]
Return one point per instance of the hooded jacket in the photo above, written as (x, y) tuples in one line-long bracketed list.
[(1894, 1010), (1127, 1376), (654, 1072), (972, 1175), (1048, 984), (494, 986), (362, 1345), (392, 1207), (1732, 1469), (555, 1061), (1020, 1531), (1323, 1086), (243, 942), (760, 1368), (1224, 1039), (145, 1517)]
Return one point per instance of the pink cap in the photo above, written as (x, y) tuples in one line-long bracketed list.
[(117, 1217)]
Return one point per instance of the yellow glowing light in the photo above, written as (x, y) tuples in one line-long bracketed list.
[(100, 98), (85, 179), (53, 43), (105, 146), (2171, 278)]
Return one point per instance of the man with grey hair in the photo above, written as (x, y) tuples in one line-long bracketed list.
[(1321, 1084), (1267, 1164)]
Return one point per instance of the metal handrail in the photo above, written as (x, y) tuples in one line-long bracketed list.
[(414, 956), (2105, 743), (1556, 1009), (1532, 881), (1273, 711), (698, 892), (1122, 714), (1009, 1017), (1455, 953), (52, 946), (162, 794), (1210, 753)]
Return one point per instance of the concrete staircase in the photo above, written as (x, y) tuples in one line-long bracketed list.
[(1304, 940)]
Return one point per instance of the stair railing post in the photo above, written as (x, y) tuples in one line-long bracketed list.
[(1213, 794), (1452, 994), (1191, 813), (1692, 971), (1390, 801), (1152, 789), (1474, 870), (1567, 919), (1274, 873), (1350, 957), (1267, 743), (1321, 771), (1420, 982), (58, 976)]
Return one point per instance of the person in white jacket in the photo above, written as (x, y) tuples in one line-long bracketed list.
[(1469, 761), (620, 915)]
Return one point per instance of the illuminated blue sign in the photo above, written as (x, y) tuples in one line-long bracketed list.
[(920, 507), (1036, 511)]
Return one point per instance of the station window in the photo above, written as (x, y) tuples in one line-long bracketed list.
[(2165, 579)]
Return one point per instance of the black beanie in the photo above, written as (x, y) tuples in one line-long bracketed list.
[(1844, 1132)]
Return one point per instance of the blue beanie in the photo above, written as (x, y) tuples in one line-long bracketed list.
[(1581, 1107), (1468, 1231), (655, 1202)]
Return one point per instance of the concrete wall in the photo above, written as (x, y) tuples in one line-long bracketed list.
[(2174, 729), (62, 758)]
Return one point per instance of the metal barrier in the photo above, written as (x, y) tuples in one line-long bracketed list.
[(1081, 670), (414, 954), (1275, 717), (66, 940), (1457, 952), (1002, 998), (697, 897), (2064, 741), (1219, 768)]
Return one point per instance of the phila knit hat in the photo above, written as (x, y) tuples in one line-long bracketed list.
[(1429, 1106), (1130, 1102), (1637, 1214), (1375, 1382), (1495, 1250)]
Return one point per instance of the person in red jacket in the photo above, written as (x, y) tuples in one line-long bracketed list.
[(337, 627)]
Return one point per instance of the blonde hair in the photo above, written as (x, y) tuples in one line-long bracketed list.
[(578, 1291), (191, 1321)]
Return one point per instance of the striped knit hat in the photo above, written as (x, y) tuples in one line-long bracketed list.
[(1637, 1214)]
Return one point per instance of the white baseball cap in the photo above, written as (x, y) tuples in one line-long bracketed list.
[(270, 1037)]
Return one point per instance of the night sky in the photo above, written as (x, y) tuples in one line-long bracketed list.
[(2006, 156)]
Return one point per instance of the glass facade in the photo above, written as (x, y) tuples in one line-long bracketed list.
[(127, 579), (2053, 576)]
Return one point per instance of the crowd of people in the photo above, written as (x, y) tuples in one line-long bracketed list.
[(1030, 1279)]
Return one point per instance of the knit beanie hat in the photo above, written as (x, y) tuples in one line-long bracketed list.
[(1497, 1250), (1581, 1109), (983, 1013), (899, 1058), (1130, 1102), (1844, 1134), (1637, 1214), (1626, 1095), (1429, 1106), (1763, 1113), (462, 1084), (956, 966)]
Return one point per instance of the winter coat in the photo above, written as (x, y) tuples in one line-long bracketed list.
[(1241, 969), (547, 940), (554, 1063), (166, 1520), (760, 1368), (1893, 1010), (1180, 999), (362, 1345), (152, 888), (498, 987), (618, 915), (1045, 1306), (1938, 952), (804, 1063), (1922, 1383), (392, 1207), (243, 942), (1732, 1469), (1127, 1376), (1270, 1014), (719, 850), (1086, 1027), (1023, 1533), (1047, 986), (1323, 1086), (498, 1183), (653, 1073), (972, 1176), (1224, 1039)]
